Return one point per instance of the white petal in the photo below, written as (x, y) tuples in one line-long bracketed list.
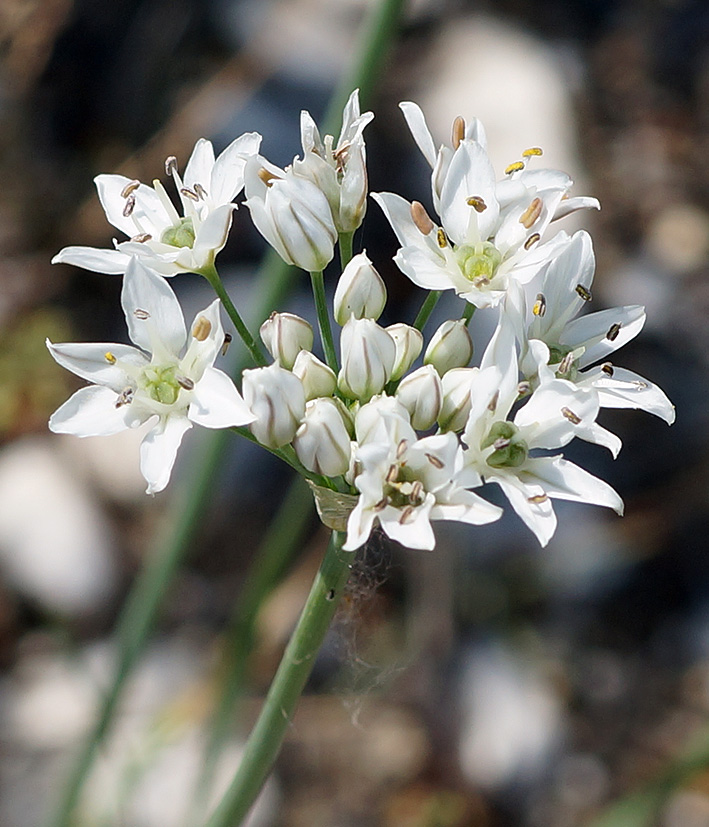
[(359, 526), (415, 531), (110, 262), (201, 354), (598, 435), (578, 202), (417, 125), (627, 389), (466, 507), (549, 418), (228, 173), (398, 213), (88, 360), (89, 412), (200, 165), (539, 517), (470, 174), (212, 234), (148, 214), (159, 449), (145, 292), (592, 331), (429, 271), (217, 403), (563, 480)]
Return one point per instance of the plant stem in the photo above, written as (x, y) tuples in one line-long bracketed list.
[(346, 241), (318, 283), (266, 738), (468, 313), (212, 276), (426, 309)]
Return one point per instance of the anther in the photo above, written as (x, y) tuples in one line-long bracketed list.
[(201, 328), (421, 218), (130, 187), (537, 499), (170, 165), (524, 387), (613, 332), (640, 385), (141, 314), (584, 292), (129, 206), (185, 382), (141, 238), (532, 213), (392, 474), (501, 443), (566, 363), (401, 448), (201, 191), (540, 305), (266, 176), (125, 397), (109, 357), (405, 514), (227, 341), (607, 368), (492, 404), (533, 150), (417, 490), (458, 132), (531, 240), (435, 462), (441, 238), (571, 416), (517, 166), (477, 203), (191, 194), (381, 505)]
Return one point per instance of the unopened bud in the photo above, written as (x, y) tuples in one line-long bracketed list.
[(277, 400), (450, 347), (322, 442), (456, 398), (421, 393), (285, 335), (409, 344), (368, 353), (382, 419), (318, 378), (360, 291)]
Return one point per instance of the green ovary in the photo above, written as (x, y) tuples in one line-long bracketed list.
[(181, 235), (513, 450), (479, 262), (161, 384)]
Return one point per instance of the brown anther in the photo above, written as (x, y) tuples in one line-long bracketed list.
[(607, 368), (227, 341), (129, 206), (188, 193), (141, 238), (392, 474), (531, 241), (417, 490), (524, 387), (421, 218), (109, 357), (640, 385), (340, 155), (125, 397), (401, 448), (201, 191), (185, 382), (458, 132), (141, 314), (613, 332), (381, 505), (435, 462), (537, 499), (532, 213), (533, 150), (501, 443), (130, 187), (571, 416), (566, 362), (540, 305), (492, 404), (201, 328), (517, 166), (441, 238), (266, 176), (170, 165), (477, 203), (406, 514), (584, 292), (481, 281)]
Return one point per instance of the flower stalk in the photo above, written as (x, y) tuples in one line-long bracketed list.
[(318, 283)]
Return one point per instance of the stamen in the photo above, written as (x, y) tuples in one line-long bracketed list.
[(640, 385), (532, 213), (130, 187), (584, 292), (185, 382), (481, 281), (477, 203), (417, 490), (170, 165), (201, 191), (613, 332), (129, 206), (406, 514), (435, 462), (531, 240), (500, 443), (524, 387), (517, 166), (441, 238), (537, 499), (401, 448), (109, 357), (421, 218), (533, 150), (227, 341), (141, 314), (201, 328), (458, 132), (125, 397), (540, 305), (141, 237), (381, 505), (571, 416), (607, 368), (566, 363), (266, 176), (392, 474), (492, 404), (186, 191)]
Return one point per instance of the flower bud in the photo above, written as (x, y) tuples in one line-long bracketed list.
[(322, 442), (456, 398), (360, 291), (285, 335), (409, 343), (421, 393), (383, 419), (318, 378), (368, 354), (450, 347), (277, 400)]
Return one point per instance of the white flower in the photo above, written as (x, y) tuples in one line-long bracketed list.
[(367, 356), (404, 485), (168, 380), (360, 291), (421, 393), (277, 399), (322, 442), (318, 378), (285, 336), (339, 172), (162, 239), (382, 419), (499, 442), (489, 231), (450, 347), (409, 344)]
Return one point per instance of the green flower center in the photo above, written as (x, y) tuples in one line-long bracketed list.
[(181, 235), (402, 488), (161, 383), (511, 450), (479, 262), (567, 369)]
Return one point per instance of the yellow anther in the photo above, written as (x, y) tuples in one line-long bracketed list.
[(109, 357), (537, 499), (421, 218), (573, 418), (266, 176), (441, 238), (201, 328), (584, 292), (532, 213), (540, 305), (477, 203), (533, 150), (531, 241), (516, 167), (458, 131), (130, 187)]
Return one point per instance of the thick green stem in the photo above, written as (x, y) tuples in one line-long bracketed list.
[(298, 660), (426, 309), (212, 276), (346, 241), (328, 344), (468, 313)]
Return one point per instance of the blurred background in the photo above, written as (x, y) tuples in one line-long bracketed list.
[(489, 683)]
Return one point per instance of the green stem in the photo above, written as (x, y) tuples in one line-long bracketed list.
[(318, 283), (426, 309), (212, 276), (346, 242), (468, 313), (266, 738)]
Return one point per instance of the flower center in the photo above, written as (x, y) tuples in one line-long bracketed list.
[(180, 235), (511, 450), (479, 262), (563, 357), (402, 489), (161, 383)]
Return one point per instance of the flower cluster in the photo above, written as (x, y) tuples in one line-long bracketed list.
[(396, 430)]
